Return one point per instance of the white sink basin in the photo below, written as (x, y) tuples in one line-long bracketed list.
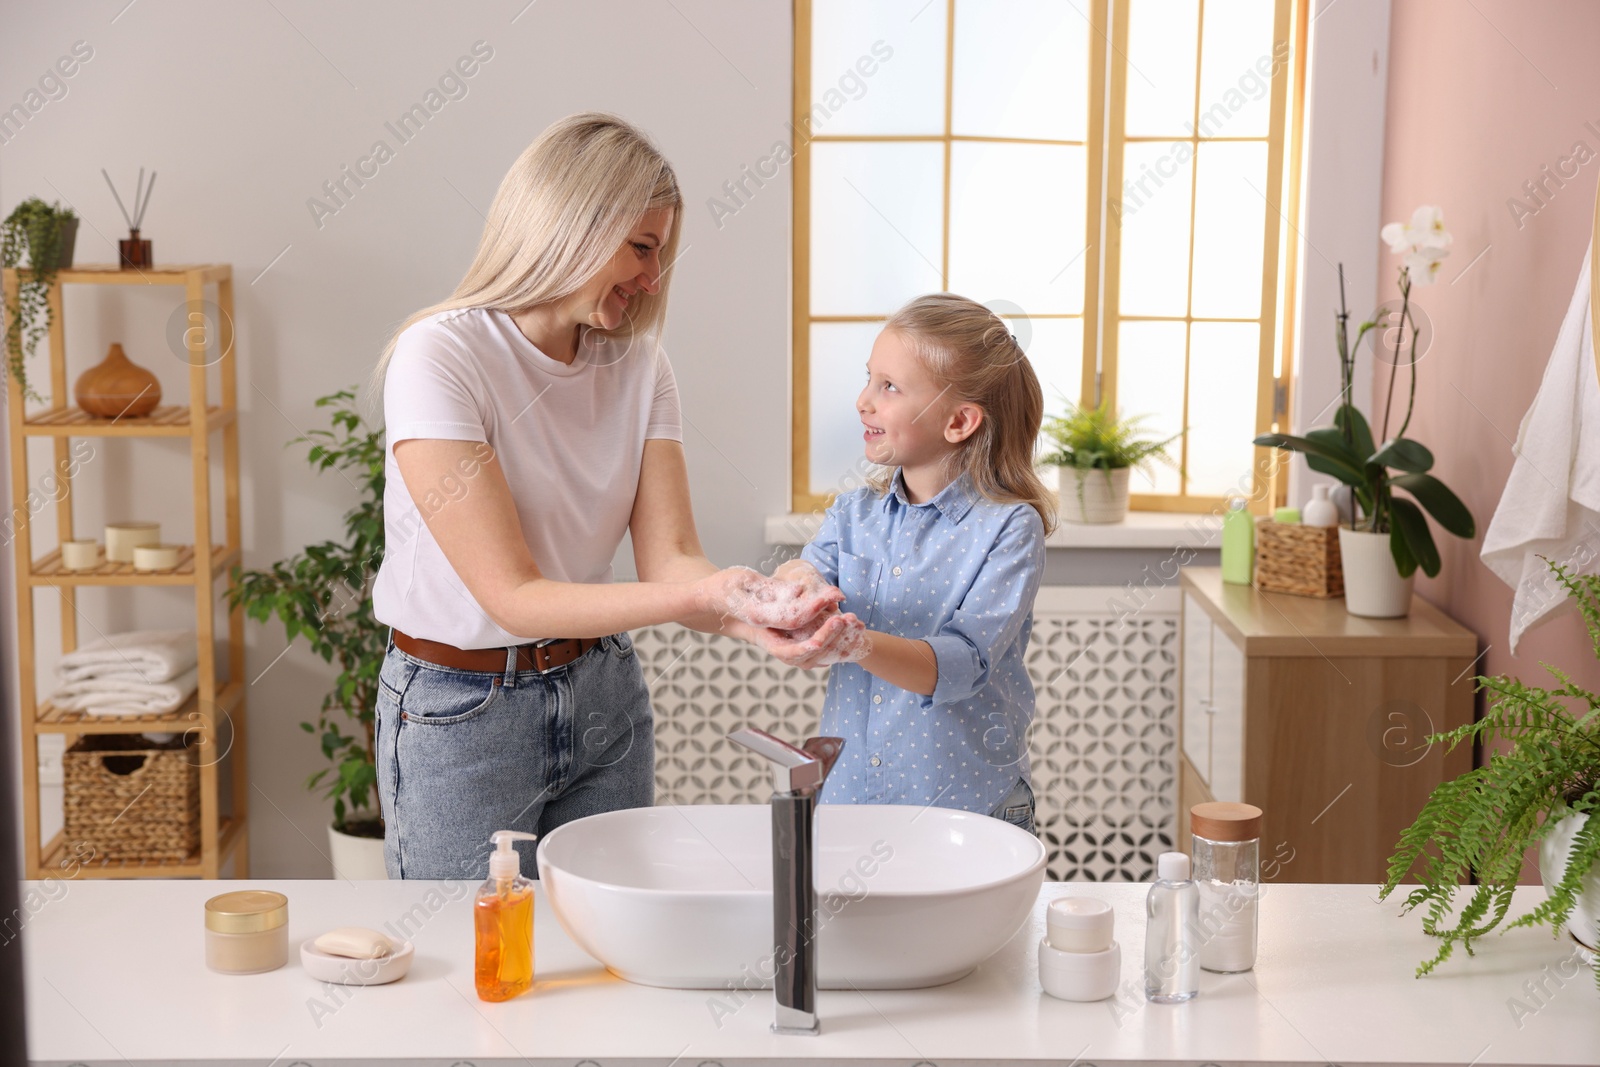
[(907, 896)]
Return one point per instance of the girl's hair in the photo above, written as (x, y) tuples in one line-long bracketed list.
[(971, 353), (562, 211)]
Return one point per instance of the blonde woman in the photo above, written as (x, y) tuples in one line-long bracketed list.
[(532, 420)]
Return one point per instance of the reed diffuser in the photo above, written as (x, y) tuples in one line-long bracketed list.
[(134, 253)]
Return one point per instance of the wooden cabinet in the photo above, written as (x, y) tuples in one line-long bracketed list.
[(1318, 717)]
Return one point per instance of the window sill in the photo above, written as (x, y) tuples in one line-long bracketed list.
[(1140, 530)]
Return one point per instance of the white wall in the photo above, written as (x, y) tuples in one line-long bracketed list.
[(245, 112), (1346, 88)]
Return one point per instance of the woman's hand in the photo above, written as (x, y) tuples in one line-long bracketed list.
[(830, 638), (778, 603)]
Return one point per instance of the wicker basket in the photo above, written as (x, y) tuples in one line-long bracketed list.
[(131, 798), (1303, 560)]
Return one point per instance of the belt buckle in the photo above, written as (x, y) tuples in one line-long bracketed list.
[(534, 653)]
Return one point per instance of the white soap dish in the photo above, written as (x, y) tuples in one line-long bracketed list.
[(326, 967)]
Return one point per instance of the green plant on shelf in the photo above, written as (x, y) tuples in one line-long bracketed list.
[(1480, 824), (323, 593), (33, 230)]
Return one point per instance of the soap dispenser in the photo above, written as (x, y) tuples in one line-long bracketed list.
[(502, 916)]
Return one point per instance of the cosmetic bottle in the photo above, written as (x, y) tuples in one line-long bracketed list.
[(1238, 542), (1319, 510), (502, 917), (1172, 923)]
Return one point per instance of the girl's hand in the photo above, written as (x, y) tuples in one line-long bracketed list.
[(778, 603), (833, 638)]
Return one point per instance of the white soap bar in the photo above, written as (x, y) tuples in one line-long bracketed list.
[(356, 942)]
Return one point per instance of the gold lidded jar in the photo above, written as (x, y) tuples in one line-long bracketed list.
[(247, 931)]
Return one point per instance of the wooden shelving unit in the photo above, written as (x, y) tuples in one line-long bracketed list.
[(218, 700)]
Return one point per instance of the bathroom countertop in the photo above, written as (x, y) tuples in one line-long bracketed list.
[(115, 974)]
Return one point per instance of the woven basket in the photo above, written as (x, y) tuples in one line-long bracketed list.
[(1303, 560), (131, 798)]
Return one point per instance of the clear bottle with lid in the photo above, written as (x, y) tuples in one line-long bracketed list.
[(1227, 870)]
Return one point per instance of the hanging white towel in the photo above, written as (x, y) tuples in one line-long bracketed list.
[(124, 696), (139, 655), (1551, 503)]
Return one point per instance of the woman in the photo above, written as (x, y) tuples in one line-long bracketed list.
[(532, 419)]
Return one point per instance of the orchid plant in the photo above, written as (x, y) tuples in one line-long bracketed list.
[(1346, 450)]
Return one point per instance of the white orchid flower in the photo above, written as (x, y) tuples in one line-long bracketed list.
[(1422, 266), (1423, 242)]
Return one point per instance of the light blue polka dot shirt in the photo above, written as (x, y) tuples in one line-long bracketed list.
[(959, 572)]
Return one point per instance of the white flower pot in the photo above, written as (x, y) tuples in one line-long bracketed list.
[(355, 857), (1104, 499), (1584, 922), (1372, 583)]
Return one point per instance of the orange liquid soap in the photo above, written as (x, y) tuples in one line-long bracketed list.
[(502, 921), (504, 926)]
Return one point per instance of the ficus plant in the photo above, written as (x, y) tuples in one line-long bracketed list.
[(323, 593), (1390, 484)]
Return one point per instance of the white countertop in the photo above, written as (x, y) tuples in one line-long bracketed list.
[(115, 974)]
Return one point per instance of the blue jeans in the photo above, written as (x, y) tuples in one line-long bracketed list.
[(461, 754), (1018, 806)]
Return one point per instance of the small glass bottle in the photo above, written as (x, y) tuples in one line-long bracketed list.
[(502, 917), (1227, 857), (1171, 963)]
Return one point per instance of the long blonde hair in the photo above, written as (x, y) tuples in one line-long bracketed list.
[(971, 353), (561, 212)]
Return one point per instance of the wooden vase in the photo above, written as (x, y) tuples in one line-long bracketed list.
[(117, 387)]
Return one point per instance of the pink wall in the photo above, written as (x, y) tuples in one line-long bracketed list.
[(1481, 97)]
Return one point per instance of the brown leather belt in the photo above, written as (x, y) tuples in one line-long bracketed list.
[(493, 660)]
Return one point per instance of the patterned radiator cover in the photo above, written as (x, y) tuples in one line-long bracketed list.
[(1103, 745)]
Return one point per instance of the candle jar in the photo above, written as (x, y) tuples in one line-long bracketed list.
[(247, 931), (1227, 853)]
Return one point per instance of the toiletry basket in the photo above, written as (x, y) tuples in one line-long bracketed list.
[(130, 798), (1303, 560)]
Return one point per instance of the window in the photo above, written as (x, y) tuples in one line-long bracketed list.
[(1138, 249)]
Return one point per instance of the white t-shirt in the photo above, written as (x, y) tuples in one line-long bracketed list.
[(570, 439)]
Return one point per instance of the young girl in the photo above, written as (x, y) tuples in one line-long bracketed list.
[(939, 560)]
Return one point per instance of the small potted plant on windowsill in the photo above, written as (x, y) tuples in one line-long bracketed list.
[(1095, 451), (1540, 794), (324, 594), (46, 234)]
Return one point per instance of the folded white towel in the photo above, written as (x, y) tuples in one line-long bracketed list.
[(125, 696), (138, 655), (1551, 503)]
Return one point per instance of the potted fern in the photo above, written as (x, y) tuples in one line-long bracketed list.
[(46, 234), (323, 594), (1095, 451), (1541, 793)]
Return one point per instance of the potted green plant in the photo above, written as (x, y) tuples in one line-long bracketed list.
[(1086, 440), (1388, 538), (46, 233), (1540, 793), (323, 594)]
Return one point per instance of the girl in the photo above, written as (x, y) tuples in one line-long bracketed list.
[(939, 560)]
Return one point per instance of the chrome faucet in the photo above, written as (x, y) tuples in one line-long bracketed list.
[(797, 777)]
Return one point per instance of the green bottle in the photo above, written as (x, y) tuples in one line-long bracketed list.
[(1238, 542)]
